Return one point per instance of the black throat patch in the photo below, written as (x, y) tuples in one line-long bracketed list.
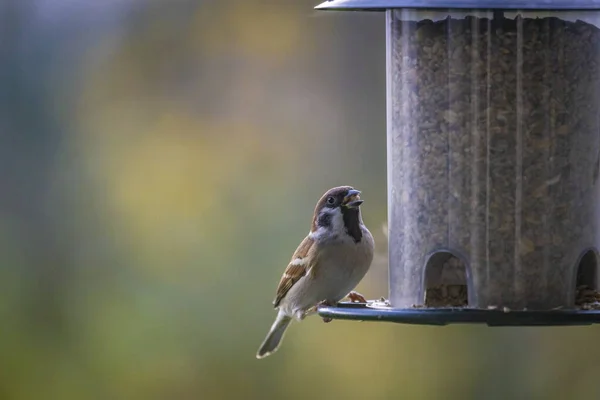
[(352, 223)]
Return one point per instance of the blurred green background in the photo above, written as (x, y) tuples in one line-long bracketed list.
[(159, 163)]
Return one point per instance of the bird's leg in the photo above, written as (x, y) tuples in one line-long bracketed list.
[(356, 297), (310, 311), (324, 303), (314, 309)]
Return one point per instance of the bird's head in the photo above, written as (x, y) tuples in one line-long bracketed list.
[(338, 212)]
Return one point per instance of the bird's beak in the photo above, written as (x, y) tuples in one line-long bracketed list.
[(352, 200)]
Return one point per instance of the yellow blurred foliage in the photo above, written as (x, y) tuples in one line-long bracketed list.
[(234, 29)]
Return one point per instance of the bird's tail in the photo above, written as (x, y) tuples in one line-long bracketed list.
[(273, 339)]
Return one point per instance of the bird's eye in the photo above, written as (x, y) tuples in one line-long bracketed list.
[(330, 200)]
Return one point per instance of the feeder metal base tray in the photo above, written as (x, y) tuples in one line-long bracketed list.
[(445, 316)]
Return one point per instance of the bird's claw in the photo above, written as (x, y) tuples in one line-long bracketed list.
[(356, 297), (325, 303)]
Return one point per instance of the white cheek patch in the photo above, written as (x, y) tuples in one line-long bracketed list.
[(337, 220), (336, 226)]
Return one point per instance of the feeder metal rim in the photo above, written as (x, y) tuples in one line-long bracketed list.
[(458, 315), (382, 5)]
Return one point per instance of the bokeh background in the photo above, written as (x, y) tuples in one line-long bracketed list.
[(159, 163)]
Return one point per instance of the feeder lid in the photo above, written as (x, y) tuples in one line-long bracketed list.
[(382, 5)]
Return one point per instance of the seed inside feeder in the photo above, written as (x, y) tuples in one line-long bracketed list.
[(587, 298), (448, 287)]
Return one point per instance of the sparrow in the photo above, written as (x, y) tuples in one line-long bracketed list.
[(326, 266)]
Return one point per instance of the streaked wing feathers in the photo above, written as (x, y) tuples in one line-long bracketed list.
[(298, 267)]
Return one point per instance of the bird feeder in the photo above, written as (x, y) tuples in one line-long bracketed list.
[(493, 143)]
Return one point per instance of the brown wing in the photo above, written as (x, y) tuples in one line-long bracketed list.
[(296, 269)]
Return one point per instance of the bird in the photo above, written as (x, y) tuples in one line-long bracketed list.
[(327, 265)]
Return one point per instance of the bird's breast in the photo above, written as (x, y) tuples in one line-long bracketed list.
[(339, 267), (345, 261)]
